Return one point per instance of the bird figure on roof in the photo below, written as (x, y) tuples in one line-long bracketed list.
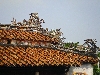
[(35, 15), (32, 14), (42, 21), (91, 44), (14, 22)]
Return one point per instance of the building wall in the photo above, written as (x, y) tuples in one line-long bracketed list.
[(86, 68)]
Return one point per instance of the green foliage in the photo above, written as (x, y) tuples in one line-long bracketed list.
[(96, 71), (71, 45), (99, 54)]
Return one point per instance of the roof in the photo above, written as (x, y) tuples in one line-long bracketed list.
[(24, 35), (28, 56), (33, 55)]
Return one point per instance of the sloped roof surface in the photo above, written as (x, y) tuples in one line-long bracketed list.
[(24, 35), (40, 56)]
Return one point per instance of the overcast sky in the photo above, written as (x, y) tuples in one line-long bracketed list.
[(78, 19)]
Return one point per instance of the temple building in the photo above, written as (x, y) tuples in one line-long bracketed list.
[(28, 49)]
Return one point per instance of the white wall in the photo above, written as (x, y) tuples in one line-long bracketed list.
[(87, 68)]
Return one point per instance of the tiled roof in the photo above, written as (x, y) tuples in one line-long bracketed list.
[(25, 35), (22, 56)]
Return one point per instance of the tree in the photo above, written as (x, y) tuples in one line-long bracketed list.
[(96, 70), (71, 45)]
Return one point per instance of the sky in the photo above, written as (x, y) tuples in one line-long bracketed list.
[(78, 19)]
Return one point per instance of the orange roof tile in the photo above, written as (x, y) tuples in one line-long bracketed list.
[(40, 56)]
